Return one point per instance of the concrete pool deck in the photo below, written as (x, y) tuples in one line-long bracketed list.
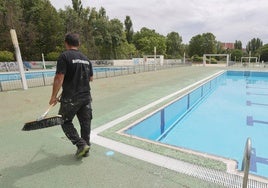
[(44, 158)]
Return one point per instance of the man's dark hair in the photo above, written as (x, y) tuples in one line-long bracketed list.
[(72, 39)]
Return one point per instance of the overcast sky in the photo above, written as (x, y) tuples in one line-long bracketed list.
[(228, 20)]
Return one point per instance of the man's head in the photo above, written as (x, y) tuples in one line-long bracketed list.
[(72, 40)]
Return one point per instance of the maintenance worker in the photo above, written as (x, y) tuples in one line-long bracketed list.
[(73, 74)]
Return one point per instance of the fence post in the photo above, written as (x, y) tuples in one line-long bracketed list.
[(44, 78), (1, 89), (95, 74)]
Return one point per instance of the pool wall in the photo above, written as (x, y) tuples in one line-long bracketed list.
[(162, 121)]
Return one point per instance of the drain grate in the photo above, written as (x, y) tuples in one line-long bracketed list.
[(220, 178)]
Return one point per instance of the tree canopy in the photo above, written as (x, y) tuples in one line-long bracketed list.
[(254, 45), (41, 29), (264, 53), (129, 29), (146, 39), (174, 45), (203, 44)]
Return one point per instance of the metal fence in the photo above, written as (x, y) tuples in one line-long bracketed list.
[(12, 81), (249, 64)]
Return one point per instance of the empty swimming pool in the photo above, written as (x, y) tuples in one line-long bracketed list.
[(217, 118)]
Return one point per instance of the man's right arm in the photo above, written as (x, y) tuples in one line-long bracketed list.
[(58, 81)]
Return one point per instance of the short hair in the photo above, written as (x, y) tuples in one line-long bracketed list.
[(72, 39)]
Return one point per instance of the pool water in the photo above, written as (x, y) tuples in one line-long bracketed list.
[(217, 118), (49, 73)]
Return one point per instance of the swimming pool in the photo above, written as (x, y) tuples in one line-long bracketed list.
[(216, 118), (49, 73)]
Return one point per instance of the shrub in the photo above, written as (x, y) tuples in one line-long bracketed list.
[(6, 56), (196, 58), (212, 61), (52, 56)]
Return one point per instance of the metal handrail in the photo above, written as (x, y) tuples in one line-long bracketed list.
[(246, 162)]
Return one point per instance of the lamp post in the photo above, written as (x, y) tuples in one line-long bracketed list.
[(44, 63), (18, 57)]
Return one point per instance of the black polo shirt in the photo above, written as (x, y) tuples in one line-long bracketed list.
[(77, 70)]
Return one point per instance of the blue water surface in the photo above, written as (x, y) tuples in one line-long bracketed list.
[(41, 74)]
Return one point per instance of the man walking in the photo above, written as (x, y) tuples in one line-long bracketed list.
[(73, 73)]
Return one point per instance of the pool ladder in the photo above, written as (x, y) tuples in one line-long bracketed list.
[(246, 162)]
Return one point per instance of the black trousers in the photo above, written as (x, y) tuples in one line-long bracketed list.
[(82, 109)]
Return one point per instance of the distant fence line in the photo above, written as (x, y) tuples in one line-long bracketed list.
[(37, 65), (12, 81), (28, 65)]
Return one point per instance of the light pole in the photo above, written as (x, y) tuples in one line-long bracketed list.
[(18, 57), (44, 63)]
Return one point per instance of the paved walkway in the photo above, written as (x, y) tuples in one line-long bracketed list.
[(44, 158)]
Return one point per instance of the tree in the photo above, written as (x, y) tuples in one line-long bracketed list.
[(102, 13), (36, 26), (238, 45), (77, 6), (146, 39), (264, 53), (126, 51), (101, 34), (116, 33), (209, 43), (253, 46), (43, 29), (10, 18), (203, 44), (195, 46), (174, 45), (71, 20), (236, 55), (108, 34), (49, 29), (219, 48), (129, 29), (83, 21)]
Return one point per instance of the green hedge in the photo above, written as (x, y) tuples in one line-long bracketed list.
[(196, 58), (52, 56), (6, 56)]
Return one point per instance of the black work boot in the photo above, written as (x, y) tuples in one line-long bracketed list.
[(86, 154), (81, 151)]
